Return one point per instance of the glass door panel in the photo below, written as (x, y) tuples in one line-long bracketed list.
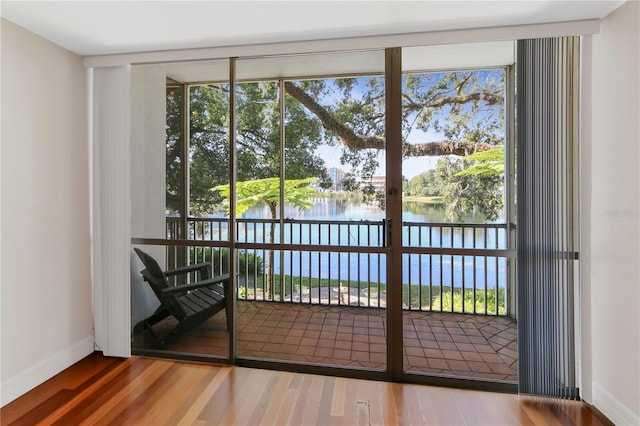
[(323, 261), (455, 265), (180, 153)]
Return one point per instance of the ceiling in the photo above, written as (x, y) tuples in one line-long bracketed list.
[(110, 27)]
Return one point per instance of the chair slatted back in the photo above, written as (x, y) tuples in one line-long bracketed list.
[(155, 277)]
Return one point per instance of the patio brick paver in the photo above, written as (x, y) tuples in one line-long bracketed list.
[(462, 345)]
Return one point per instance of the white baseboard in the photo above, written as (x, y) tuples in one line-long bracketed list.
[(615, 410), (22, 383)]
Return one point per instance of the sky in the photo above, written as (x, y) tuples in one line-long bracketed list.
[(410, 166)]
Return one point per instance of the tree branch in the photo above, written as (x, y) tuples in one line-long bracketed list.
[(357, 141), (350, 138), (434, 149), (490, 98)]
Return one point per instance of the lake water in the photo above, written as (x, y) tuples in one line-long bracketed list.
[(349, 267), (327, 208)]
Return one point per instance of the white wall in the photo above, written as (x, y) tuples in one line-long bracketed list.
[(46, 288), (614, 228)]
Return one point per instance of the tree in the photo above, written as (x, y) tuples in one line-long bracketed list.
[(472, 184), (449, 92), (426, 184), (486, 163), (297, 192), (454, 114), (463, 109), (258, 140)]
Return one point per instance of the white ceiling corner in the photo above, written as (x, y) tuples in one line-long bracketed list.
[(112, 27)]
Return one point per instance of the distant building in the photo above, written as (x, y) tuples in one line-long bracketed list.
[(378, 182), (336, 175)]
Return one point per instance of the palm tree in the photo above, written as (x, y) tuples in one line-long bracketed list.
[(297, 192)]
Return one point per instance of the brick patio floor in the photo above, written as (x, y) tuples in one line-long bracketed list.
[(461, 345)]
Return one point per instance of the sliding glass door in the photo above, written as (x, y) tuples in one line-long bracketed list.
[(455, 234), (359, 206), (180, 121), (310, 197), (319, 183)]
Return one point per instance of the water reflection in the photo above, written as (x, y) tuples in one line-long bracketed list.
[(330, 208)]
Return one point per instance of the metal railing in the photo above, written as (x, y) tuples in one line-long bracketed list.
[(468, 274)]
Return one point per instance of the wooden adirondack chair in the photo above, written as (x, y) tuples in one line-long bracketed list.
[(191, 304)]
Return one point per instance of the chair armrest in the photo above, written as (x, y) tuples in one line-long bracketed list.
[(186, 269), (194, 286)]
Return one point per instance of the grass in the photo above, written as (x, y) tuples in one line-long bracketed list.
[(307, 283), (431, 297), (445, 300)]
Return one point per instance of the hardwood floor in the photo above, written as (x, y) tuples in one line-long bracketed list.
[(142, 391)]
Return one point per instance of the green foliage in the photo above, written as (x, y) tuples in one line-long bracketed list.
[(258, 141), (464, 194), (430, 297), (297, 192), (208, 146), (476, 120), (242, 292), (469, 302), (359, 103), (473, 183), (485, 163), (426, 184), (248, 264), (258, 130)]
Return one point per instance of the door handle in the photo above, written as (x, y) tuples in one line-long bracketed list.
[(388, 232)]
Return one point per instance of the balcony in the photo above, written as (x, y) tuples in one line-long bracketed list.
[(327, 306), (467, 346)]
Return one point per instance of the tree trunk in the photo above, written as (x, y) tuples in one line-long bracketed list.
[(269, 290)]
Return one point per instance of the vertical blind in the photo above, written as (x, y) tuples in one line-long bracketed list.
[(547, 108), (111, 209)]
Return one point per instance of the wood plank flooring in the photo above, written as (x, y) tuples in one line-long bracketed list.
[(142, 391)]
